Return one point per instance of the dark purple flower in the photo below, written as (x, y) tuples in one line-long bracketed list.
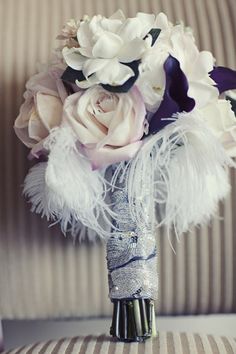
[(175, 96), (224, 78)]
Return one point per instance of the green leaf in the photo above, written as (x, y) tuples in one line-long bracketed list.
[(155, 34), (233, 104), (129, 83), (71, 75)]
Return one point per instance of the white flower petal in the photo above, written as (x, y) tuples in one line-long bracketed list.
[(36, 130), (115, 73), (49, 110), (91, 81), (95, 128), (162, 22), (71, 116), (73, 58), (137, 27), (130, 29), (220, 118), (84, 35), (118, 15), (124, 74), (132, 51), (108, 155), (44, 82), (203, 65), (110, 72), (86, 51), (93, 65), (202, 93), (151, 95), (147, 20), (95, 27), (107, 46), (110, 25)]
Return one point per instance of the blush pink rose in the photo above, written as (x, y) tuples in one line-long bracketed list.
[(42, 108), (108, 125)]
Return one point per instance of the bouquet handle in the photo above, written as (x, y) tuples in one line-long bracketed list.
[(132, 272)]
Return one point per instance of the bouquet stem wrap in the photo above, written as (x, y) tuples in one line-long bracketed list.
[(132, 272)]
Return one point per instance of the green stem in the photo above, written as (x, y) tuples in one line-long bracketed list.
[(143, 315), (133, 320), (154, 330), (137, 318)]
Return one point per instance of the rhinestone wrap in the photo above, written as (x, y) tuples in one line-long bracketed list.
[(131, 254)]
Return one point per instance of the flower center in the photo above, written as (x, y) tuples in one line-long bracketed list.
[(107, 103)]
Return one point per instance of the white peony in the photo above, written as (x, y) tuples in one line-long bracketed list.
[(177, 41), (105, 44), (220, 118)]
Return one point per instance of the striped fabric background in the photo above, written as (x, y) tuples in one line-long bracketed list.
[(42, 274), (166, 342)]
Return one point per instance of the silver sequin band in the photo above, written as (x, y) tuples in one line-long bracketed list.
[(131, 255)]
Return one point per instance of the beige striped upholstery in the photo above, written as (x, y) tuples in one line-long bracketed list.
[(41, 273), (165, 343)]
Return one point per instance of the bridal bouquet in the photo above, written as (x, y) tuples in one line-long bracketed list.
[(129, 131)]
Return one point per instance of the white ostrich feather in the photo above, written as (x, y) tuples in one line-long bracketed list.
[(37, 191), (66, 189), (182, 172)]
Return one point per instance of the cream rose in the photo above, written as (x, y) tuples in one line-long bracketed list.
[(42, 109), (108, 125)]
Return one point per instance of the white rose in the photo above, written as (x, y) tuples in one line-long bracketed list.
[(41, 110), (109, 126), (106, 44)]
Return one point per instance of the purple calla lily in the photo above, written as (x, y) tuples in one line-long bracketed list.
[(224, 78), (175, 97)]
